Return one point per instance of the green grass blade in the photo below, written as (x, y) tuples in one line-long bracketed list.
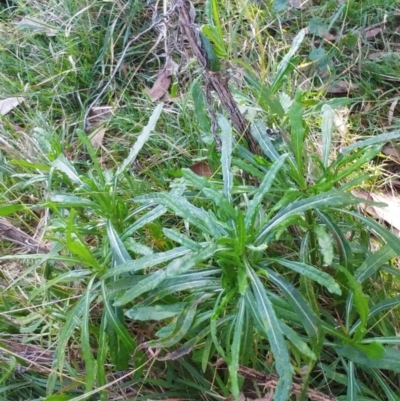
[(141, 140), (352, 383), (62, 164), (226, 155), (102, 357), (262, 190)]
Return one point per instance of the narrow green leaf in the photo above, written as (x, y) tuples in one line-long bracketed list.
[(66, 200), (390, 238), (62, 164), (341, 242), (115, 323), (226, 155), (175, 268), (374, 262), (326, 130), (390, 303), (102, 351), (120, 254), (327, 199), (259, 133), (157, 312), (262, 190), (142, 221), (147, 261), (200, 108), (181, 239), (295, 339), (182, 326), (389, 361), (141, 140), (311, 273), (352, 383), (378, 139), (308, 318), (10, 209), (236, 347), (284, 64), (90, 366), (382, 381), (297, 130), (272, 330), (325, 242)]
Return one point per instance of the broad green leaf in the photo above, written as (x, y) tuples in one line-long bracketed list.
[(374, 262), (328, 199), (272, 330), (311, 273), (196, 180), (318, 27), (372, 350), (90, 364), (389, 361), (259, 133), (62, 164), (284, 64), (326, 131), (224, 205), (226, 155), (262, 190), (325, 242), (120, 254), (141, 140), (157, 312), (147, 261), (297, 129), (378, 139)]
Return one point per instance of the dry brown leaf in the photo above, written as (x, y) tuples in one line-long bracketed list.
[(96, 138), (6, 105), (99, 114), (202, 169), (371, 33), (341, 87), (393, 153), (377, 56), (390, 213), (163, 81)]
